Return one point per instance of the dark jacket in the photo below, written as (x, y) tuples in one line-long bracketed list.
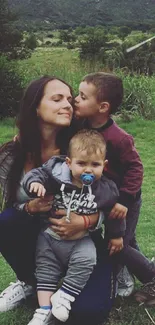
[(7, 155), (55, 172)]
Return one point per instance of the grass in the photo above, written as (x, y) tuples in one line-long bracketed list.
[(139, 94), (127, 311)]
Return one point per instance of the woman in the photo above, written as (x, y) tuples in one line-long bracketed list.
[(45, 126)]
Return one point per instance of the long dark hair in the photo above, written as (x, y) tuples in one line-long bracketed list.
[(29, 134)]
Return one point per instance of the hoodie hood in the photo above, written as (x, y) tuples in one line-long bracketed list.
[(60, 170)]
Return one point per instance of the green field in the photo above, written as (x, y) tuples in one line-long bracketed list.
[(139, 94), (126, 312)]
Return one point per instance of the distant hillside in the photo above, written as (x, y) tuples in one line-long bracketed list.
[(65, 13)]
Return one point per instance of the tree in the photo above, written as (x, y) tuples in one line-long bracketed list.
[(11, 46), (10, 89), (12, 42), (67, 36), (31, 41), (92, 43)]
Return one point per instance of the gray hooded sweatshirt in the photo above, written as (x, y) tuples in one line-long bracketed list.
[(56, 177)]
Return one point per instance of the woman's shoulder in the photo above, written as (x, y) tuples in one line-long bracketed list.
[(8, 149)]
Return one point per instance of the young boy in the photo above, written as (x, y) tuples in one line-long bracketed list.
[(100, 95), (78, 185)]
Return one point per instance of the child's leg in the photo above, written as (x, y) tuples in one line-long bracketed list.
[(49, 269), (125, 280), (131, 223), (48, 273), (80, 267), (44, 298)]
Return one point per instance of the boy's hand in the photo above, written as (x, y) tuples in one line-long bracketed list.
[(118, 211), (115, 245), (37, 188)]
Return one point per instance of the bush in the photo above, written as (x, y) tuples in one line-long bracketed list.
[(31, 42), (10, 89), (139, 95), (92, 43)]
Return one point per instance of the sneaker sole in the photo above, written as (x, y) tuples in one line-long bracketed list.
[(150, 303)]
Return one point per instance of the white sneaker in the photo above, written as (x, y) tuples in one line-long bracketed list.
[(13, 295), (125, 283), (41, 317), (61, 305)]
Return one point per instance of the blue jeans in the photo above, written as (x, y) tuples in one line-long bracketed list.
[(18, 236)]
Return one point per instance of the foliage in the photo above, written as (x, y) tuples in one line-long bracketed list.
[(31, 41), (52, 14), (139, 94), (12, 46), (106, 46), (92, 43), (67, 36), (10, 88), (11, 39)]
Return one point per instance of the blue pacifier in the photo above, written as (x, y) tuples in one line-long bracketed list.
[(87, 179)]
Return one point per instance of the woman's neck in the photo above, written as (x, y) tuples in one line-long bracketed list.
[(49, 146), (48, 137)]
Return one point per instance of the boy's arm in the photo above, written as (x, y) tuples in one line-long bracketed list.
[(106, 196), (36, 175), (114, 228), (106, 193), (118, 211), (115, 245)]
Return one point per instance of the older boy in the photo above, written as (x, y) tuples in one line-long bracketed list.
[(100, 95)]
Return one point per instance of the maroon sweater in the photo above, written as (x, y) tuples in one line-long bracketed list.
[(124, 165)]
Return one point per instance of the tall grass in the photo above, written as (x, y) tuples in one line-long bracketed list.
[(8, 130), (139, 90)]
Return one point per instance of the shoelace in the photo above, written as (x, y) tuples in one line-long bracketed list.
[(150, 287), (13, 284)]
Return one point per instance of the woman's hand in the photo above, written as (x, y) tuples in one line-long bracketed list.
[(40, 204), (75, 228)]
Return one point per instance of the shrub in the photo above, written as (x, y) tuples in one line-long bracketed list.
[(10, 89)]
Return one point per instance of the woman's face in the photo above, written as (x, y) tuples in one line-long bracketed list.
[(55, 107)]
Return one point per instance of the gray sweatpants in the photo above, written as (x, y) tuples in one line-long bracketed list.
[(72, 259)]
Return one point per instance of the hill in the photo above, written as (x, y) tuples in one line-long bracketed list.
[(71, 13)]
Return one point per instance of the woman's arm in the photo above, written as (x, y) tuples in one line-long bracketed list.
[(65, 229), (38, 205)]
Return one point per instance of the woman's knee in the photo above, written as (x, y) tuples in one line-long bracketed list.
[(9, 215)]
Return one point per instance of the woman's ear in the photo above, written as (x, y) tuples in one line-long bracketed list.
[(104, 107), (68, 161)]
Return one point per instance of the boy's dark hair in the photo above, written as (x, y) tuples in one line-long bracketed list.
[(109, 88)]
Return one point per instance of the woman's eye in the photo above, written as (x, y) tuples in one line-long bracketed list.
[(56, 100)]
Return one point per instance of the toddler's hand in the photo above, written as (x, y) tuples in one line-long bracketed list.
[(37, 188), (118, 211), (115, 245)]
